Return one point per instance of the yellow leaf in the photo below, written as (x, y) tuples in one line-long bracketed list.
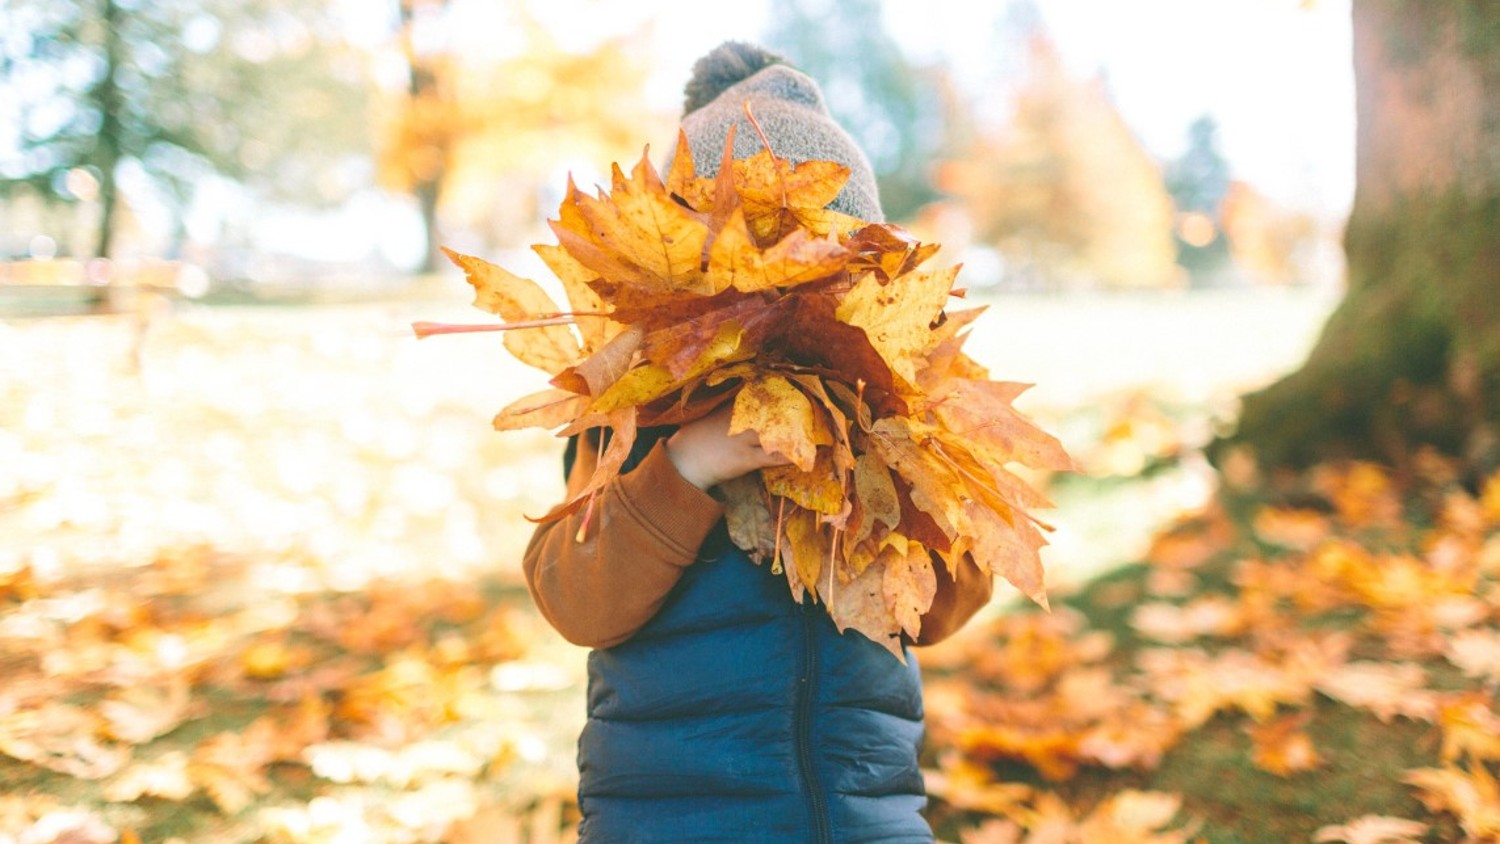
[(818, 489), (897, 316), (877, 495), (766, 184), (575, 278), (805, 543), (636, 387), (781, 416), (641, 224), (551, 348)]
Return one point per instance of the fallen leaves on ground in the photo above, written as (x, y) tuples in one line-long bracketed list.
[(264, 590), (1365, 597)]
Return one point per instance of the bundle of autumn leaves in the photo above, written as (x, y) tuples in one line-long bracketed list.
[(835, 348)]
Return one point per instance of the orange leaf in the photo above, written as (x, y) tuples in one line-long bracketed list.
[(981, 412), (1283, 746)]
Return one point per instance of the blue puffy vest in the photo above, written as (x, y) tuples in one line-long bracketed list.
[(737, 715)]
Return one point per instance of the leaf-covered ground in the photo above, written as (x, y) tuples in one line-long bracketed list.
[(258, 583), (1314, 659)]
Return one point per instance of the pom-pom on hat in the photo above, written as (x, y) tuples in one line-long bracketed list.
[(787, 104)]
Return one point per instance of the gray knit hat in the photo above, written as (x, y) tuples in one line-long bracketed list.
[(789, 107)]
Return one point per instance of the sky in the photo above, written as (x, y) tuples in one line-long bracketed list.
[(1276, 74)]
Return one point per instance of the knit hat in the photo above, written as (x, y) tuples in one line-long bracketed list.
[(787, 104)]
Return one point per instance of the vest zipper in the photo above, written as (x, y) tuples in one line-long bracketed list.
[(819, 809)]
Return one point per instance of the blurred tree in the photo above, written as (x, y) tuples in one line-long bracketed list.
[(178, 90), (1272, 244), (465, 122), (1412, 356), (1064, 189), (417, 156), (894, 110), (1198, 182)]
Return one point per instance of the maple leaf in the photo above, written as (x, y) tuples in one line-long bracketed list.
[(1283, 746), (141, 713), (897, 315), (550, 348), (1373, 829), (1471, 795), (166, 777), (1385, 689), (60, 737), (834, 348), (909, 586)]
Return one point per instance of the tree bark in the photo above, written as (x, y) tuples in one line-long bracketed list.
[(1411, 358)]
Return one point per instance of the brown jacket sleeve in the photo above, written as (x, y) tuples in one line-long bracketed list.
[(647, 526), (956, 601)]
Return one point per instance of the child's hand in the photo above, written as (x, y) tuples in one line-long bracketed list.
[(705, 454)]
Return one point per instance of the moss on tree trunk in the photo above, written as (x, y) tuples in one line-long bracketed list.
[(1411, 358)]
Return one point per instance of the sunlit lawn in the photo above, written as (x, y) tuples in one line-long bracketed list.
[(295, 522)]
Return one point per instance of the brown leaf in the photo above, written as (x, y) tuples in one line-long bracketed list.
[(909, 585), (545, 409), (752, 525), (709, 339), (860, 605)]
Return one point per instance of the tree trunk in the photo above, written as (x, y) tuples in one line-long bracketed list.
[(1411, 358), (423, 87), (110, 105)]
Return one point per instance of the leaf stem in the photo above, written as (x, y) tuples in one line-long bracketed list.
[(427, 329), (780, 176)]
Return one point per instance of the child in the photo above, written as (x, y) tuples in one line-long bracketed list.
[(718, 708)]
